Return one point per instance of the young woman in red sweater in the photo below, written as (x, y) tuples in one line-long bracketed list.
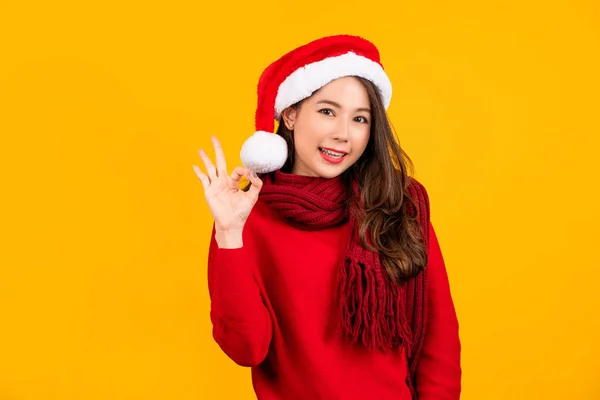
[(324, 270)]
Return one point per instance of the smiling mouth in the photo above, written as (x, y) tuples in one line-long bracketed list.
[(331, 153)]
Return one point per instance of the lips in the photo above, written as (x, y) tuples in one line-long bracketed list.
[(334, 150), (332, 156)]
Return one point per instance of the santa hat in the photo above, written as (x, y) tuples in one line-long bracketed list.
[(294, 77)]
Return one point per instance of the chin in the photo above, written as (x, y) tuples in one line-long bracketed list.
[(329, 175), (329, 172), (318, 167), (326, 170)]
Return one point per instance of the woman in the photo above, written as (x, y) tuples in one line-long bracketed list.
[(324, 271)]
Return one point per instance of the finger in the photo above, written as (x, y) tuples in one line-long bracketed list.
[(203, 178), (238, 173), (210, 168), (254, 189), (221, 164), (233, 181)]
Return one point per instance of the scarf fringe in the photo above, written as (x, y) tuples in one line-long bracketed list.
[(372, 307)]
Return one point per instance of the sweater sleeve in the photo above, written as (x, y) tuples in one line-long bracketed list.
[(439, 371), (241, 322)]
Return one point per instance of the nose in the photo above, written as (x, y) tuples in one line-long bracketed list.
[(342, 131)]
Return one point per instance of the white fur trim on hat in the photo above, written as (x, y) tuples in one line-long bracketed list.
[(264, 152), (301, 83)]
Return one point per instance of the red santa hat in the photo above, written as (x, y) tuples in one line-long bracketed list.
[(294, 77)]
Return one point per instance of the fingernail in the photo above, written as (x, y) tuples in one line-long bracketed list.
[(254, 174)]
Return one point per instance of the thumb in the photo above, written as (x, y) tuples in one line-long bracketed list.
[(256, 185)]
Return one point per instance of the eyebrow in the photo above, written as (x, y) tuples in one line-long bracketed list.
[(333, 103)]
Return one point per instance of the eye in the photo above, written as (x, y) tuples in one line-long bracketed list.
[(364, 120), (324, 110)]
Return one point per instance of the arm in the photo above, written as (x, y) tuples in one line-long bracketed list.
[(439, 371), (241, 323)]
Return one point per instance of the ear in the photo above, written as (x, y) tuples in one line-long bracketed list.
[(289, 116)]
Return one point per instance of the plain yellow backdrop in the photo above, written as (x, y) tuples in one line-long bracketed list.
[(103, 106)]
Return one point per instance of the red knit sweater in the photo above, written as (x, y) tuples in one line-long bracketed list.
[(273, 308)]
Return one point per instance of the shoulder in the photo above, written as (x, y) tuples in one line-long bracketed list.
[(261, 214), (419, 208), (417, 191), (415, 184), (263, 218)]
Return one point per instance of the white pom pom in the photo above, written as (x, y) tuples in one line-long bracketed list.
[(264, 152)]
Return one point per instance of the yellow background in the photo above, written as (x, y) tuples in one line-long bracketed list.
[(103, 106)]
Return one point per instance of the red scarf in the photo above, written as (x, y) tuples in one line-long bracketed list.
[(373, 310)]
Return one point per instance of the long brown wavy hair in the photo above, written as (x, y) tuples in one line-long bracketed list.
[(383, 173)]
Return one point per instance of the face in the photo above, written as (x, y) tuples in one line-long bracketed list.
[(331, 128)]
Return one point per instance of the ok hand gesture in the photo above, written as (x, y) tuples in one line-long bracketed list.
[(230, 206)]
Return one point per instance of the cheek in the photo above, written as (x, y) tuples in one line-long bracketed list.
[(317, 128), (362, 140), (311, 133), (304, 141)]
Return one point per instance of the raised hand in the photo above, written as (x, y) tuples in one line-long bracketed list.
[(230, 206)]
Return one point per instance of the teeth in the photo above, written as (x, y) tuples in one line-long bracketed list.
[(332, 153)]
